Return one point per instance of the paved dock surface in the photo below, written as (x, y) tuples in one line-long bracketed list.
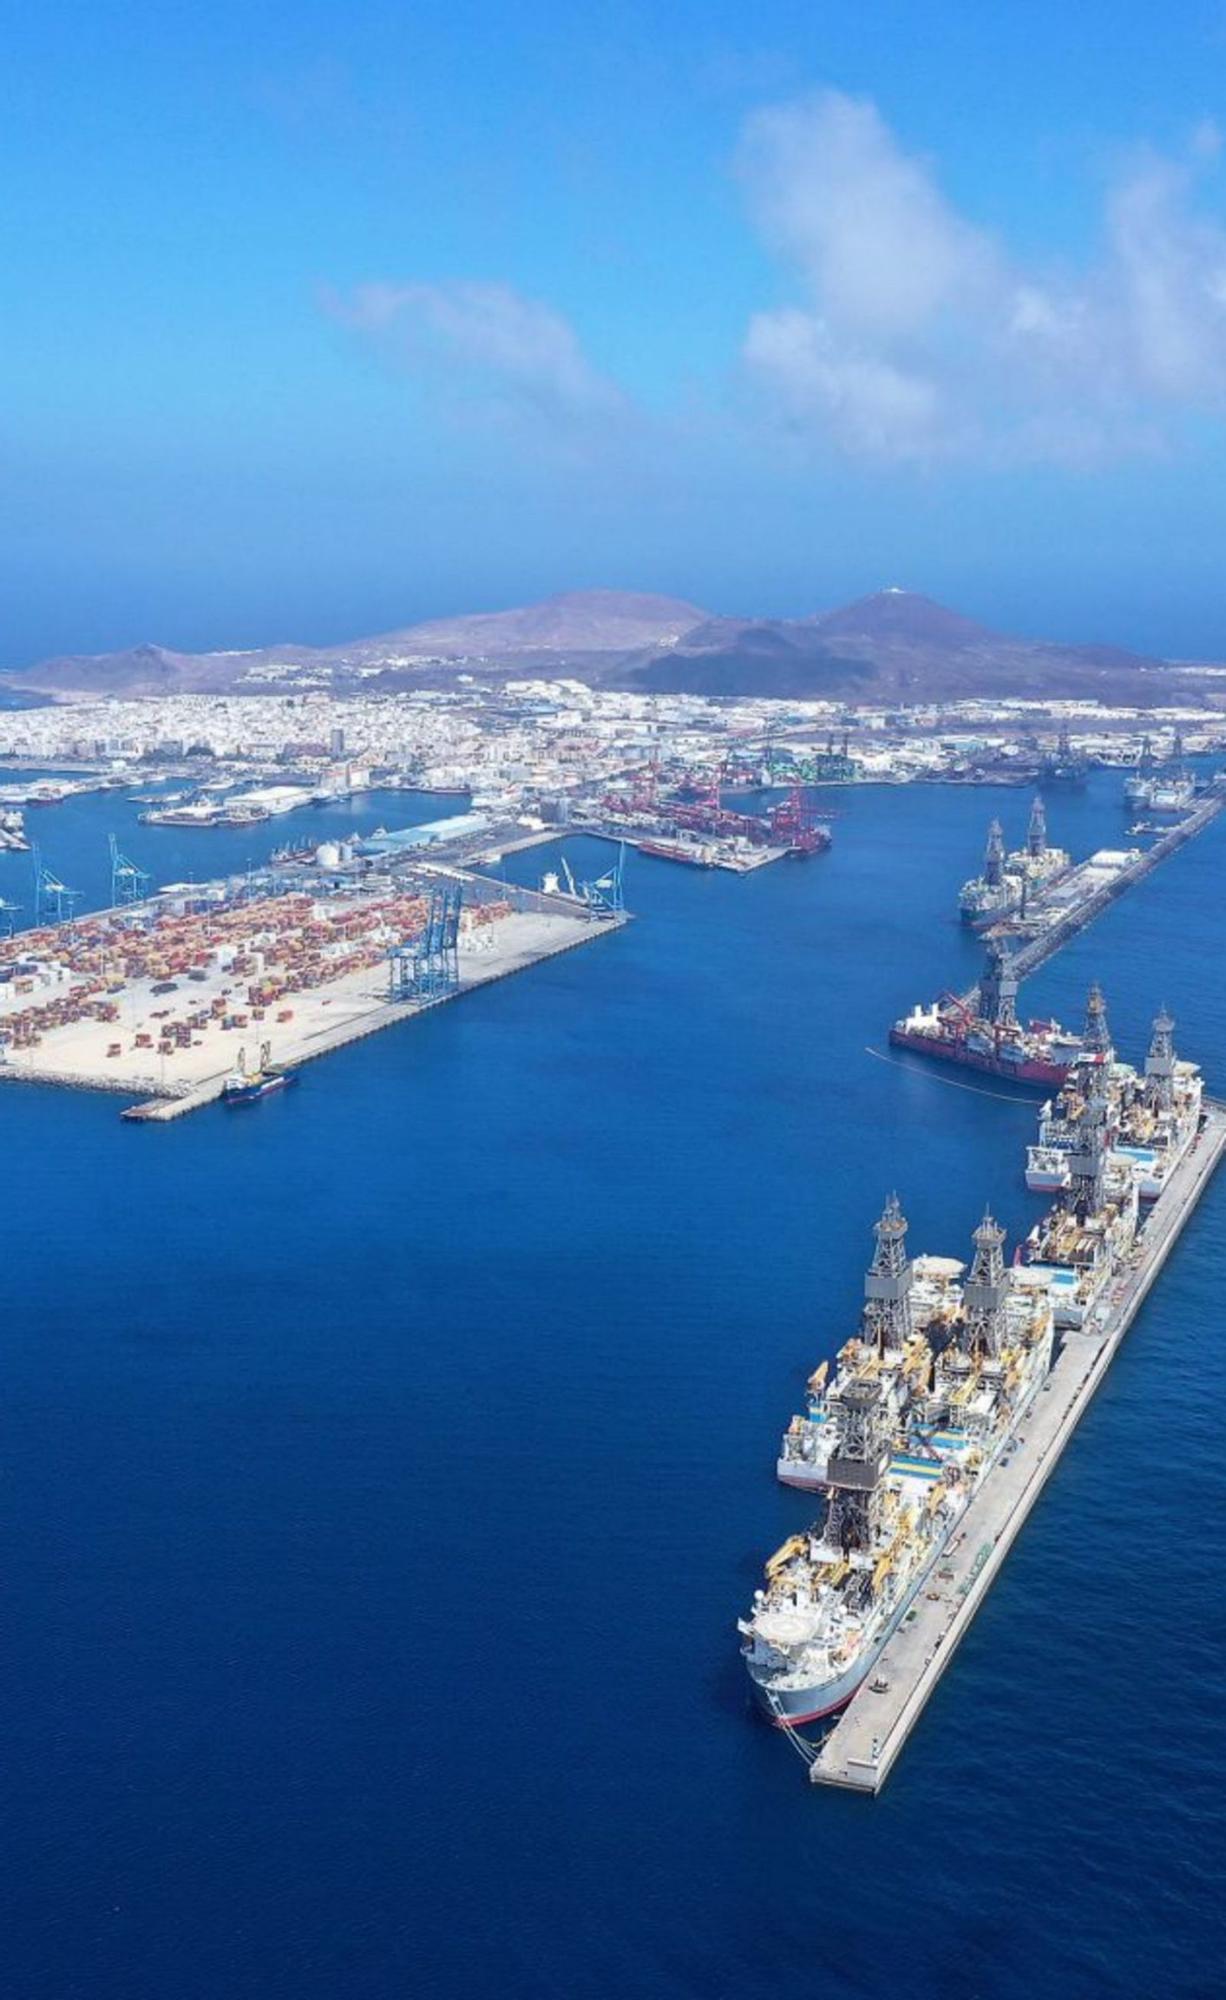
[(1071, 922), (531, 940), (861, 1750)]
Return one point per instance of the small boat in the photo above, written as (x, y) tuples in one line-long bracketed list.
[(244, 1086)]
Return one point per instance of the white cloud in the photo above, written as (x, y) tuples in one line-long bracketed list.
[(917, 335), (487, 345)]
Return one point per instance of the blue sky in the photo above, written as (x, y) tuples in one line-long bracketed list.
[(318, 320)]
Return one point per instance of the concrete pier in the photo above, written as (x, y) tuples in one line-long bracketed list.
[(1048, 942), (861, 1750)]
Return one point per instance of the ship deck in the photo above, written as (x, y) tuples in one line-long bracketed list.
[(861, 1750)]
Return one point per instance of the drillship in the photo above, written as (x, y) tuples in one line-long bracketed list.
[(1090, 1230), (1009, 879), (244, 1086), (981, 1030), (1157, 1114), (923, 1402), (1171, 789), (1064, 765)]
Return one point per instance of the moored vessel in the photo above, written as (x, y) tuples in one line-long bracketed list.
[(1155, 1114), (244, 1086), (923, 1402), (980, 1030), (1009, 880)]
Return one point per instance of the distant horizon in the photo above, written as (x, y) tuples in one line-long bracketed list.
[(1087, 633)]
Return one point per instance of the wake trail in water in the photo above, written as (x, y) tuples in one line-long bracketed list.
[(951, 1083)]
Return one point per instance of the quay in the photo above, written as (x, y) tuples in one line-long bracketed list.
[(862, 1748), (546, 940), (1068, 923), (305, 967)]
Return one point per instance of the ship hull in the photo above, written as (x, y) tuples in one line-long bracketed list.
[(251, 1093), (661, 852), (794, 1706), (1031, 1074), (805, 1478)]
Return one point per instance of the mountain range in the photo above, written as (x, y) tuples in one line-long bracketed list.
[(894, 646)]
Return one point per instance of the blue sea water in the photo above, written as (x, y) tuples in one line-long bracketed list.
[(382, 1473), (72, 839)]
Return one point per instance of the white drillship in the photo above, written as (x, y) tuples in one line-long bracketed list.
[(1090, 1230), (1166, 789), (1008, 880), (1155, 1115), (923, 1402)]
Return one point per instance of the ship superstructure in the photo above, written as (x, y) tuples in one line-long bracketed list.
[(1089, 1231), (1155, 1113), (982, 1031), (247, 1086), (1009, 880), (923, 1400), (1169, 788)]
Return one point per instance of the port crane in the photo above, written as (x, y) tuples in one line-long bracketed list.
[(53, 900), (128, 882), (601, 897), (426, 967)]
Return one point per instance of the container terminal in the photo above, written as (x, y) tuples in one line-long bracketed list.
[(167, 997), (947, 1413)]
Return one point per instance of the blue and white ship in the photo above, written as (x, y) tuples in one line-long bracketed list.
[(244, 1086)]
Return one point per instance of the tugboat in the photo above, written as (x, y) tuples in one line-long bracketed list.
[(244, 1086)]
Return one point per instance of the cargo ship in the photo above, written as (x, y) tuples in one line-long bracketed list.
[(1156, 1113), (1009, 880), (244, 1086), (980, 1030), (924, 1402), (694, 853)]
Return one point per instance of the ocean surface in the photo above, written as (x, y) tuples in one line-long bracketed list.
[(382, 1474)]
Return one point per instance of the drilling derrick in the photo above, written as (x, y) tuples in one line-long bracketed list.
[(998, 990), (1087, 1162), (994, 856), (887, 1287), (856, 1469), (1160, 1064), (983, 1295), (1036, 832), (1096, 1035)]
